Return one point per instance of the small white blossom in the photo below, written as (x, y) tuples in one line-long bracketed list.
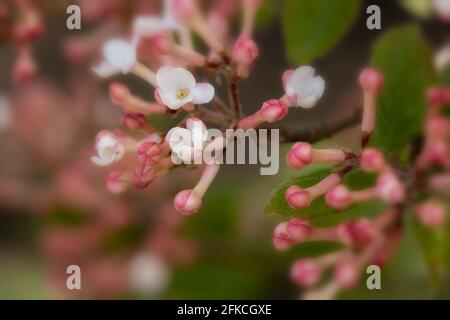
[(109, 149), (187, 143), (148, 274), (119, 57), (303, 88), (177, 87)]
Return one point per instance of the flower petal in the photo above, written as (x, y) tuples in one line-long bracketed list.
[(310, 92), (300, 75), (120, 55), (171, 101), (203, 93), (172, 79)]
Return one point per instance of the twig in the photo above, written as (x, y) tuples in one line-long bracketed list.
[(221, 104), (234, 96), (319, 133)]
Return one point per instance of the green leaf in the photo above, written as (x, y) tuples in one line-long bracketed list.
[(319, 213), (312, 28), (405, 60)]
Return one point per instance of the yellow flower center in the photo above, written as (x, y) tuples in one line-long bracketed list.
[(182, 93)]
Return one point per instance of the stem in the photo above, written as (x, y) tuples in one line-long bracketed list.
[(234, 97), (319, 133)]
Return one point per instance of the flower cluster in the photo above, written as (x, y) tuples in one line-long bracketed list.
[(164, 43), (366, 241)]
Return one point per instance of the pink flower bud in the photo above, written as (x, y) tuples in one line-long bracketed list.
[(431, 213), (439, 152), (306, 272), (30, 29), (364, 231), (245, 51), (183, 10), (288, 233), (339, 198), (299, 229), (345, 233), (187, 202), (372, 160), (438, 96), (371, 80), (118, 182), (119, 93), (301, 154), (24, 69), (142, 177), (390, 189), (357, 233), (149, 152), (437, 126), (346, 274), (273, 110), (298, 198), (281, 238), (161, 43), (134, 121)]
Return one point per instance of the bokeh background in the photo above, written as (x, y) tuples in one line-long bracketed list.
[(55, 210)]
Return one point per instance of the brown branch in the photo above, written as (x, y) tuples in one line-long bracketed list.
[(234, 96), (321, 132)]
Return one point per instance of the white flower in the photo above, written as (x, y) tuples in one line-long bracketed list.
[(148, 274), (187, 143), (303, 88), (119, 57), (177, 87), (442, 8), (109, 149)]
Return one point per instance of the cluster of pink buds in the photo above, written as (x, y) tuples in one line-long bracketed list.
[(365, 241), (161, 52), (26, 28), (362, 245)]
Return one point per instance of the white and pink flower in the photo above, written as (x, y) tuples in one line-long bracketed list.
[(109, 149), (177, 87), (302, 87), (187, 144), (119, 57)]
